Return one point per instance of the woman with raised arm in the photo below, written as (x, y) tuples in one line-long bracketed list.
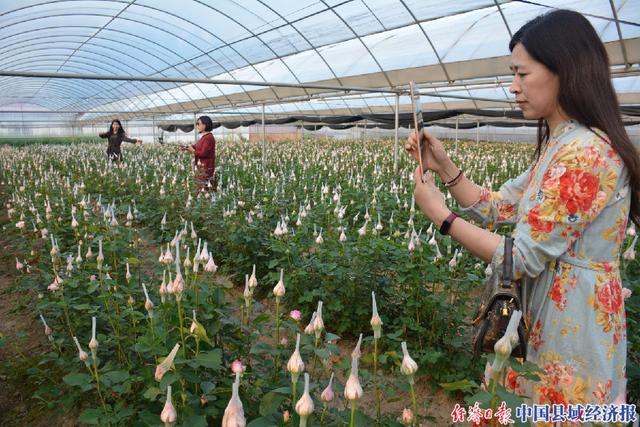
[(570, 210), (116, 135)]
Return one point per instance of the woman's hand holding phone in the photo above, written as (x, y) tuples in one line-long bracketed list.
[(434, 156)]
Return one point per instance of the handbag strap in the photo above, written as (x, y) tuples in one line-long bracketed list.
[(507, 265)]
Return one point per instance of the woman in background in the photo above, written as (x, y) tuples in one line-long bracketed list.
[(204, 152), (116, 135)]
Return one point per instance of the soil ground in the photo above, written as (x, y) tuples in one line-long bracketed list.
[(23, 340)]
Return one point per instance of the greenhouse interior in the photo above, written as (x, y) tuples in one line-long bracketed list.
[(219, 213)]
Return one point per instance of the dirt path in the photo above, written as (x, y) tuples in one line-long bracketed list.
[(22, 341)]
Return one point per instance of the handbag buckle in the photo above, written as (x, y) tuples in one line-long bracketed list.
[(505, 308)]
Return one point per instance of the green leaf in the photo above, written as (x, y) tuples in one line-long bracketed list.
[(133, 261), (261, 318), (207, 386), (114, 377), (122, 412), (331, 337), (431, 357), (152, 393), (273, 263), (262, 422), (270, 403), (260, 347), (123, 388), (283, 390), (90, 416), (92, 287), (211, 359), (323, 353), (196, 421), (78, 380), (483, 398), (201, 332)]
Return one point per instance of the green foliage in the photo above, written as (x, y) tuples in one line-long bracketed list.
[(28, 141), (421, 298)]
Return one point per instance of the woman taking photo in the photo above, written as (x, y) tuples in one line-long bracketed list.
[(116, 135), (204, 152), (570, 210)]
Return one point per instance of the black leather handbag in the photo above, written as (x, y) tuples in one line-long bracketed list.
[(500, 299)]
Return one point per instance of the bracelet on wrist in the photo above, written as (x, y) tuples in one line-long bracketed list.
[(455, 180)]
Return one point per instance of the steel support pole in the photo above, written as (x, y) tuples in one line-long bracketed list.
[(364, 136), (478, 131), (395, 136), (159, 79), (264, 139), (153, 126)]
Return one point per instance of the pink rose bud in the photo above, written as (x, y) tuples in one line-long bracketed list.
[(295, 315), (327, 394), (626, 293), (407, 416), (285, 416), (237, 367)]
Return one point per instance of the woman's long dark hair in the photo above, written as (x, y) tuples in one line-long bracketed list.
[(565, 42), (120, 131)]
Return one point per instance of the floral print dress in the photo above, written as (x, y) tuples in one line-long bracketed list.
[(570, 213)]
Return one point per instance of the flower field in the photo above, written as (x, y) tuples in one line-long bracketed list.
[(159, 305)]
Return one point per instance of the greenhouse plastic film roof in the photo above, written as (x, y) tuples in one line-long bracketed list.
[(456, 51)]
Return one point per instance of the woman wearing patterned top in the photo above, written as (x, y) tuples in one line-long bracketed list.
[(570, 210), (116, 135)]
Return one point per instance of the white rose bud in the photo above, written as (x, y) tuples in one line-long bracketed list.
[(353, 389), (234, 412), (165, 365), (408, 366), (304, 406), (82, 355), (279, 289), (168, 415), (376, 321), (211, 266)]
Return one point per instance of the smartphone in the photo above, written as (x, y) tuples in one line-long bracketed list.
[(418, 122)]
